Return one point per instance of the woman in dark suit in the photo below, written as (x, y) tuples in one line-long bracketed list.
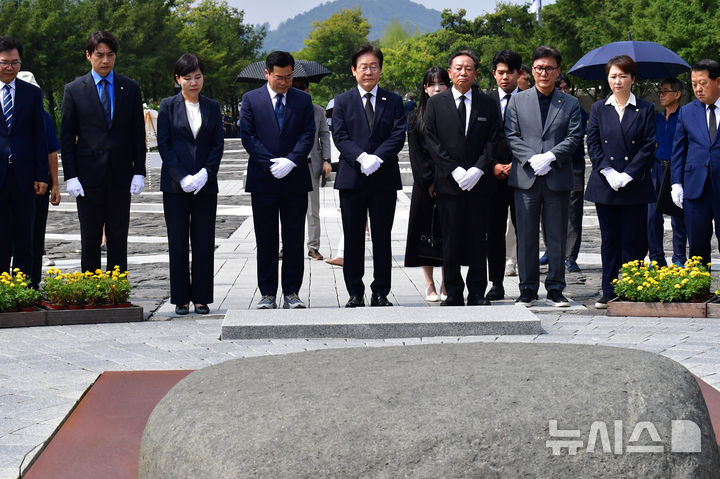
[(190, 141), (435, 80), (621, 144)]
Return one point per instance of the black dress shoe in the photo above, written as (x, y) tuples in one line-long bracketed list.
[(451, 301), (379, 300), (474, 300), (496, 293), (182, 310), (202, 309), (355, 302)]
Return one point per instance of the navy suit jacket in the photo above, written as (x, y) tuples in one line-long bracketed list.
[(628, 147), (263, 140), (182, 154), (693, 153), (352, 136), (92, 151), (26, 138)]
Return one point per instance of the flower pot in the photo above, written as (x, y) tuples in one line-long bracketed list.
[(107, 306), (26, 309), (123, 305), (618, 307), (75, 306)]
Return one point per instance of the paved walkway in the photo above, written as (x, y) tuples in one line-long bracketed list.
[(44, 371)]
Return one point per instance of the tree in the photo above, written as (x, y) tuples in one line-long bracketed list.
[(216, 33), (332, 43)]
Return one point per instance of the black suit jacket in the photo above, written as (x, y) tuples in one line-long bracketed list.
[(352, 136), (26, 138), (449, 147), (183, 154), (92, 151)]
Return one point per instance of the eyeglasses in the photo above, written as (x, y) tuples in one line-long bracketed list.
[(539, 70), (665, 92), (12, 64), (366, 68)]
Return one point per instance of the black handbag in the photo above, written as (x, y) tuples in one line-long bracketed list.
[(430, 246), (665, 204)]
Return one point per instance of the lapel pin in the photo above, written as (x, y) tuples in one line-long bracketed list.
[(383, 98), (559, 101), (637, 109)]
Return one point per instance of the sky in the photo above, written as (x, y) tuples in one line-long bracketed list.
[(259, 12)]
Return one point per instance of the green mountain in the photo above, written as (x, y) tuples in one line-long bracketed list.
[(291, 33)]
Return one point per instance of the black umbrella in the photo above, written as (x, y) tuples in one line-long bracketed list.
[(653, 60), (308, 70)]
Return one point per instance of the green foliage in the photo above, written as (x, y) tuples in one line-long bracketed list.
[(331, 43), (642, 281), (395, 33)]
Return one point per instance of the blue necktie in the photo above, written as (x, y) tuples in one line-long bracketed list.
[(7, 106), (105, 100), (279, 110)]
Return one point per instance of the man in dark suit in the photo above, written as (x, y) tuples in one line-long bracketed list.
[(369, 131), (543, 129), (102, 139), (695, 163), (462, 130), (23, 159), (277, 129), (506, 70)]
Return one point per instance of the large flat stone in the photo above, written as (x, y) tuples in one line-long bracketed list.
[(378, 323), (456, 410)]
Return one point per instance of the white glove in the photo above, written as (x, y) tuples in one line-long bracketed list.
[(541, 162), (613, 178), (677, 194), (369, 164), (472, 176), (458, 175), (187, 184), (624, 179), (199, 180), (137, 184), (74, 188), (281, 167)]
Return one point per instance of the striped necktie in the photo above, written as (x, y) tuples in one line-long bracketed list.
[(7, 106)]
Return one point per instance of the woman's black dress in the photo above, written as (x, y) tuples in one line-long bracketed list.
[(421, 203)]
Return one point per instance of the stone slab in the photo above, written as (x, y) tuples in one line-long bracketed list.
[(454, 410), (379, 323)]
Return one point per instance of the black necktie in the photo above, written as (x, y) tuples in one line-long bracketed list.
[(369, 112), (462, 111), (105, 100), (712, 123), (507, 102), (279, 110)]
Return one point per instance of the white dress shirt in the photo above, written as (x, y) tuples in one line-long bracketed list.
[(194, 117), (620, 109), (717, 114), (373, 98), (504, 101)]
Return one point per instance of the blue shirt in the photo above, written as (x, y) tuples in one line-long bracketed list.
[(665, 131), (52, 141), (110, 78)]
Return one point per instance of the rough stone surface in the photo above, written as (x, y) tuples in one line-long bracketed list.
[(365, 323), (461, 410)]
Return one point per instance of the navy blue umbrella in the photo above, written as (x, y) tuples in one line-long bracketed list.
[(653, 60), (309, 70)]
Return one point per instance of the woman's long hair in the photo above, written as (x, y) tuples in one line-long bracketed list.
[(432, 75)]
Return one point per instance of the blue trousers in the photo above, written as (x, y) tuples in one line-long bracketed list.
[(655, 223), (699, 216)]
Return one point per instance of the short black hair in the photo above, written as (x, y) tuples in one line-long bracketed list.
[(188, 63), (301, 83), (509, 58), (562, 78), (10, 43), (625, 63), (464, 52), (675, 84), (98, 37), (708, 65), (544, 51), (525, 69), (279, 58), (367, 48)]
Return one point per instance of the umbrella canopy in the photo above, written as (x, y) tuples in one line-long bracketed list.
[(306, 69), (653, 60)]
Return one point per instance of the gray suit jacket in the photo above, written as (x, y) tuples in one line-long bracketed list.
[(321, 145), (526, 136)]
